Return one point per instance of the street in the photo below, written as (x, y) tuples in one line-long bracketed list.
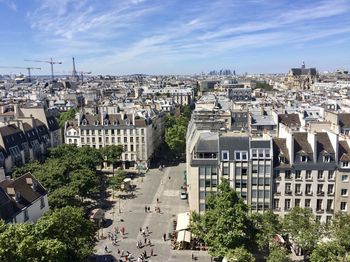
[(155, 184)]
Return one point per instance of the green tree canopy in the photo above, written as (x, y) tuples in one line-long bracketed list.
[(267, 225), (340, 230), (225, 225), (186, 112), (116, 182), (175, 137), (113, 154), (69, 226), (278, 254), (84, 182), (66, 116), (328, 252), (303, 228), (64, 196), (239, 254)]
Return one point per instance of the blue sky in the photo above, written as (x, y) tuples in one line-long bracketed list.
[(175, 36)]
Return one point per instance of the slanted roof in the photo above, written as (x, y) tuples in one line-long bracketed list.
[(344, 120), (29, 192), (324, 145), (280, 150), (290, 120), (344, 151), (301, 145)]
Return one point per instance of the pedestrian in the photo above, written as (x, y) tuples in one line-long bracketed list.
[(118, 251), (151, 252), (169, 177), (164, 237), (149, 242), (157, 200), (149, 209), (145, 241), (106, 249), (145, 254), (116, 229), (192, 256), (143, 232), (137, 244), (140, 230), (145, 209), (122, 254), (147, 230)]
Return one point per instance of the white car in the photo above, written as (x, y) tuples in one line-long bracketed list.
[(183, 195)]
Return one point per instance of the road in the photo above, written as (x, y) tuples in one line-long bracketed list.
[(155, 184)]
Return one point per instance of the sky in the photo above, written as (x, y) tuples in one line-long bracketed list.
[(174, 36)]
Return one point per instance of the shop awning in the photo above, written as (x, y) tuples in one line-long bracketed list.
[(183, 221), (184, 236)]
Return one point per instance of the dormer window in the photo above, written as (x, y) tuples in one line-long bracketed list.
[(326, 159), (303, 158), (17, 197), (106, 122), (96, 123), (345, 164), (225, 155), (84, 122), (282, 159)]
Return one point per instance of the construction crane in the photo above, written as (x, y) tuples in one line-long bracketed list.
[(50, 62), (21, 67)]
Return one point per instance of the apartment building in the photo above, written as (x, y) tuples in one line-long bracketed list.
[(138, 131), (26, 136)]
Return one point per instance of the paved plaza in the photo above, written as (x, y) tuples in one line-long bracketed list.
[(164, 185)]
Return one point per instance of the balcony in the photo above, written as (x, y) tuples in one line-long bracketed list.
[(330, 210), (277, 193), (330, 193), (308, 193), (319, 210), (298, 193), (320, 193)]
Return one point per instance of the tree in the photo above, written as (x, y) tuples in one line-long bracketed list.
[(116, 182), (340, 230), (278, 254), (225, 225), (328, 252), (113, 154), (69, 226), (175, 137), (239, 254), (186, 112), (66, 116), (170, 121), (29, 167), (64, 196), (303, 228), (84, 182), (267, 225)]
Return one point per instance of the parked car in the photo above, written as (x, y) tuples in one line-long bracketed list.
[(183, 195)]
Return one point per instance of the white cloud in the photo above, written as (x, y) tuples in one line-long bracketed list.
[(10, 4)]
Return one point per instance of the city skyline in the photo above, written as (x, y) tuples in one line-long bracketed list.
[(175, 37)]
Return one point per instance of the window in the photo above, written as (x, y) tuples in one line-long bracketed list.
[(288, 189), (254, 153), (345, 178), (308, 175), (319, 189), (42, 202), (241, 155), (261, 153), (343, 206), (287, 204), (267, 153), (225, 155), (326, 159), (297, 202), (328, 219), (344, 192), (276, 204), (308, 189), (100, 139), (225, 171), (297, 188), (307, 203), (329, 204), (320, 175), (125, 140), (330, 190), (345, 164), (288, 174), (297, 174), (330, 175), (303, 158)]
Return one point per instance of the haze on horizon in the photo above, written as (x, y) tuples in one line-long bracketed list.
[(175, 37)]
